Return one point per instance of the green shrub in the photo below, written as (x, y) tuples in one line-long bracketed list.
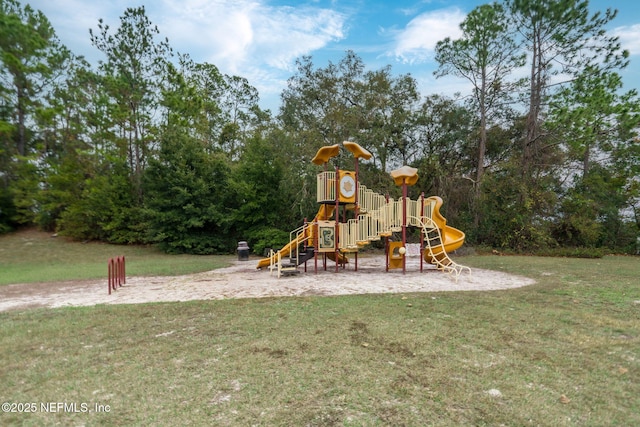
[(267, 237)]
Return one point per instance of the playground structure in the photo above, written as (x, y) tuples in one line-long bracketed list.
[(373, 216)]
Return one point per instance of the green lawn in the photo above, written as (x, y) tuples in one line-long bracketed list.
[(33, 256), (563, 352)]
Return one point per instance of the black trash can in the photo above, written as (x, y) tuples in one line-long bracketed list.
[(243, 251)]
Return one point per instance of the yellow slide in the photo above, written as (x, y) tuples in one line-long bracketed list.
[(266, 262), (323, 214), (452, 238)]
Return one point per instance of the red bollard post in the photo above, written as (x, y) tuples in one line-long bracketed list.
[(122, 276), (110, 273), (116, 275), (116, 282)]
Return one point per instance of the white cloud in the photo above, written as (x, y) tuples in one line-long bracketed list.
[(289, 33), (235, 35), (249, 38), (629, 38), (417, 41), (71, 20), (209, 31)]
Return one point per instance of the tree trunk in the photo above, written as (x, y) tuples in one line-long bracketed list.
[(586, 161), (529, 149), (22, 138)]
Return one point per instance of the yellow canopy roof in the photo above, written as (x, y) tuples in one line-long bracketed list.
[(406, 174), (325, 153), (357, 150)]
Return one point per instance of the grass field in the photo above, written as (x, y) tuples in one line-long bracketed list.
[(563, 352), (32, 256)]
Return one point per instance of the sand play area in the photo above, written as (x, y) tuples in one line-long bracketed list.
[(243, 280)]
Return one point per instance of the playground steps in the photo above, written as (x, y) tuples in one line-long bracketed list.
[(288, 266), (288, 271), (302, 257)]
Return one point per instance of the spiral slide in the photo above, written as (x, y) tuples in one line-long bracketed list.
[(452, 238)]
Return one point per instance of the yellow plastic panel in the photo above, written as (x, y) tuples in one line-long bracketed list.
[(405, 175), (357, 150), (347, 187), (325, 153)]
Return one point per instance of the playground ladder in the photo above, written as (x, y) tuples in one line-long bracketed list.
[(436, 249)]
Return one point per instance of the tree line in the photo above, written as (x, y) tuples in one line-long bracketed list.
[(149, 146)]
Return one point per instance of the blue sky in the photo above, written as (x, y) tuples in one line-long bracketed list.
[(261, 39)]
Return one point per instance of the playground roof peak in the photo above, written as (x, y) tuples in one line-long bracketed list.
[(328, 151), (325, 153), (357, 150), (405, 175)]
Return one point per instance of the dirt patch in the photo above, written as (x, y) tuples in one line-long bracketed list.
[(243, 280)]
